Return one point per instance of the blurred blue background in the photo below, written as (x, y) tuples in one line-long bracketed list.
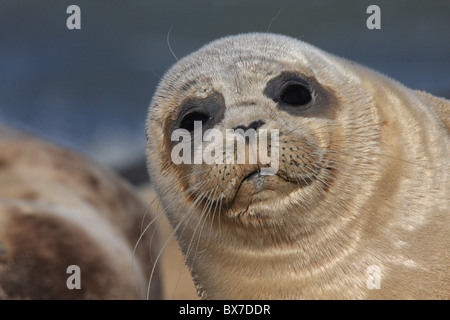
[(89, 89)]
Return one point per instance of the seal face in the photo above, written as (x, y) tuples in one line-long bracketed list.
[(362, 174)]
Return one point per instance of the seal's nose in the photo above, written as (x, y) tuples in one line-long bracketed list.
[(254, 125)]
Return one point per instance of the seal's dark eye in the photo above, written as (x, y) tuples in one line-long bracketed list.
[(208, 110), (188, 120), (295, 94)]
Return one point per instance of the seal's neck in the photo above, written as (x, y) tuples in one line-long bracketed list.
[(283, 271)]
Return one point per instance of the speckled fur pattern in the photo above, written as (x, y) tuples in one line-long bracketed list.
[(377, 157), (57, 209)]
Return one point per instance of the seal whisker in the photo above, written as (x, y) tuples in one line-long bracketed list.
[(190, 213), (159, 215), (185, 255), (273, 19), (169, 238), (202, 214), (214, 214), (168, 44)]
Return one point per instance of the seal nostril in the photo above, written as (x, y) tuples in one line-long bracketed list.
[(240, 127), (254, 125)]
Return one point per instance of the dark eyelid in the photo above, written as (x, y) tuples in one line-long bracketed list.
[(212, 105), (324, 102), (293, 78), (187, 110), (274, 85)]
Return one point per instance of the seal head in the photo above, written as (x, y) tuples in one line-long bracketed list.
[(361, 180)]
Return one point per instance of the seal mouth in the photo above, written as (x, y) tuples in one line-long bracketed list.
[(256, 182), (256, 193), (256, 175), (253, 176)]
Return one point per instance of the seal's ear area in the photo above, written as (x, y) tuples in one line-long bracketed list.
[(440, 105)]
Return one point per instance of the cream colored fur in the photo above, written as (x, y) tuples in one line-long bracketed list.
[(383, 199)]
